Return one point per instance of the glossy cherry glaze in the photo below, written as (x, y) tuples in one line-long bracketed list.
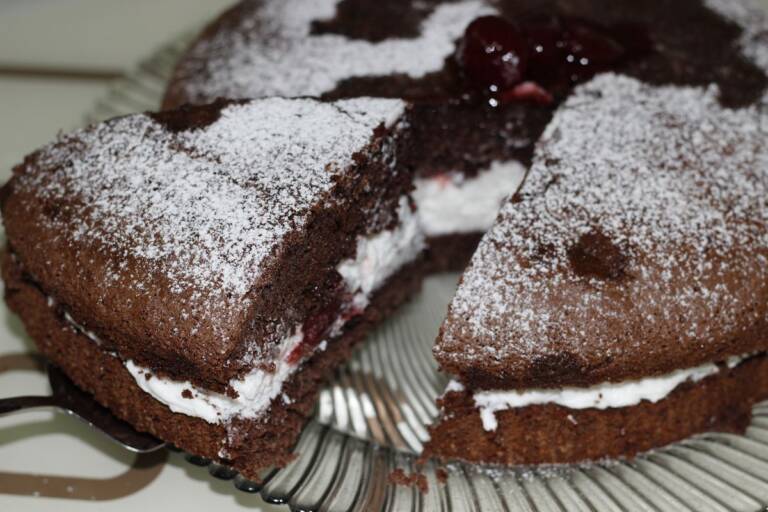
[(493, 53), (567, 51), (539, 58)]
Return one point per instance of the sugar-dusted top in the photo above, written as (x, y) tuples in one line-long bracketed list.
[(752, 17), (400, 48), (187, 207), (268, 48), (639, 245)]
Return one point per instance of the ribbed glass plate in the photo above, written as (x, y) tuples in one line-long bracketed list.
[(373, 419)]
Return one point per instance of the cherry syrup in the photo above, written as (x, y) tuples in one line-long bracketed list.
[(539, 58), (318, 326)]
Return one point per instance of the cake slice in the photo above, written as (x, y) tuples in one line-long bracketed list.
[(620, 302), (201, 271)]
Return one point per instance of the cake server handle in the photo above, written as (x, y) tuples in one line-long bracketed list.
[(68, 398), (20, 403)]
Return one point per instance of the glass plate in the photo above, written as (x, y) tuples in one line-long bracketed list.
[(373, 419)]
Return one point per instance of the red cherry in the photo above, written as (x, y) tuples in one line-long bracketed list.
[(565, 51), (527, 91), (546, 45), (493, 53), (590, 49), (317, 325), (314, 329)]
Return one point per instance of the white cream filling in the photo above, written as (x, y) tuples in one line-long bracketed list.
[(378, 258), (602, 396), (453, 204), (87, 332), (254, 392)]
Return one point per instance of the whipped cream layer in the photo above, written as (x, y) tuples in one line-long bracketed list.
[(378, 258), (602, 396), (254, 392), (455, 204)]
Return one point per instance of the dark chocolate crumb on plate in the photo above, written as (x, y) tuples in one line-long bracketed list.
[(417, 480)]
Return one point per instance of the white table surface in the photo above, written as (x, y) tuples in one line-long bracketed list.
[(107, 35)]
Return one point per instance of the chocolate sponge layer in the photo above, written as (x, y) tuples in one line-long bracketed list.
[(541, 434)]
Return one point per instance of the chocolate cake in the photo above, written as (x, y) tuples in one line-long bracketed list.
[(486, 79), (622, 260), (201, 271)]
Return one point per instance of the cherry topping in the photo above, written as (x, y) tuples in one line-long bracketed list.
[(568, 50), (493, 53), (536, 60), (527, 91)]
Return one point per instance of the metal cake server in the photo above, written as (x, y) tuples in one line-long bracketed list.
[(67, 397)]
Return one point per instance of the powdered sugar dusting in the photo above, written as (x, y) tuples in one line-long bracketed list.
[(204, 209), (273, 53), (670, 177), (752, 17)]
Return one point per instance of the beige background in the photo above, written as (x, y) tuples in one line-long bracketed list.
[(108, 35), (105, 34)]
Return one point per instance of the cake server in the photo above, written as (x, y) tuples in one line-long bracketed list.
[(68, 398)]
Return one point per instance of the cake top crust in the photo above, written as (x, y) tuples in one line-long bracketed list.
[(638, 245), (167, 221), (268, 48), (348, 48)]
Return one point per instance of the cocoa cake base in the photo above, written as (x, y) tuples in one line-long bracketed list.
[(451, 253), (542, 434), (248, 446)]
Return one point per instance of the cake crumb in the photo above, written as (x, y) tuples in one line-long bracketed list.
[(187, 394), (417, 480), (442, 475)]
